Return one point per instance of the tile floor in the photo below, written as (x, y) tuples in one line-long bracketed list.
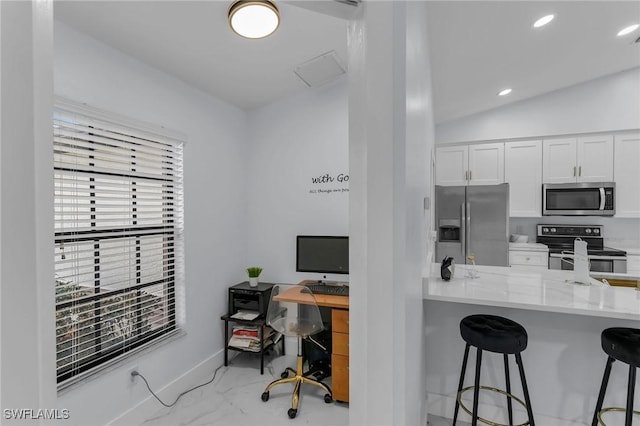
[(234, 399)]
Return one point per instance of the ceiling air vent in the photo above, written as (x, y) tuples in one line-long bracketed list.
[(321, 69)]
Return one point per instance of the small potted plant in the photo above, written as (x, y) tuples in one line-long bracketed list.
[(254, 273)]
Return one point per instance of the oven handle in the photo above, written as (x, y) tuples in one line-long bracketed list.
[(590, 256), (602, 198)]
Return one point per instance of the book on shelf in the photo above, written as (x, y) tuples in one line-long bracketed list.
[(246, 338)]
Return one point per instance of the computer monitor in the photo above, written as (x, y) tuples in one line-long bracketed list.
[(322, 253)]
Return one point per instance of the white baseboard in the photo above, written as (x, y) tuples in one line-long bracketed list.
[(443, 406), (149, 406)]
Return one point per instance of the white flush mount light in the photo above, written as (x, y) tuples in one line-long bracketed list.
[(543, 21), (254, 18), (504, 92), (628, 30)]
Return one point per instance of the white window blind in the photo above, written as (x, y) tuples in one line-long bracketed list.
[(118, 237)]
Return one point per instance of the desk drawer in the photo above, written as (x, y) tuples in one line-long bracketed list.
[(340, 321), (340, 377), (340, 343)]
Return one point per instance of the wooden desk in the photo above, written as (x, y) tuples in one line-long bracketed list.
[(339, 334)]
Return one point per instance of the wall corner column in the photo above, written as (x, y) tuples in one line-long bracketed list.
[(27, 309), (390, 138)]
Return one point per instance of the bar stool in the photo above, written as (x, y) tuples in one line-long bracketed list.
[(621, 344), (499, 335)]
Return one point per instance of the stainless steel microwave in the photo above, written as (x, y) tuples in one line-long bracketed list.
[(579, 199)]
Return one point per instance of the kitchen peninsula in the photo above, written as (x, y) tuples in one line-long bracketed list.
[(564, 359)]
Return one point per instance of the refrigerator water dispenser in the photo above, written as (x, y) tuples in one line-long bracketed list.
[(449, 230)]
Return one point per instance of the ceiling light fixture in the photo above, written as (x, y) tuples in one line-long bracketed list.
[(627, 30), (543, 21), (254, 18), (504, 92)]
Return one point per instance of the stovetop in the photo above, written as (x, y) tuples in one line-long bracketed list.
[(604, 251), (560, 238)]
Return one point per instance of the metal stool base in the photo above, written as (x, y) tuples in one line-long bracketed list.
[(483, 420), (609, 409)]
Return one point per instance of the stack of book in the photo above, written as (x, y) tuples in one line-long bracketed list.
[(246, 337)]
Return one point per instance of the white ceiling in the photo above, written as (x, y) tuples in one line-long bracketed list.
[(477, 47)]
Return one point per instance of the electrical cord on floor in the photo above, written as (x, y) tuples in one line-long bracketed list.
[(136, 373)]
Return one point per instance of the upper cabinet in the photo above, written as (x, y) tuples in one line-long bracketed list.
[(481, 164), (452, 165), (582, 159), (523, 172), (627, 174)]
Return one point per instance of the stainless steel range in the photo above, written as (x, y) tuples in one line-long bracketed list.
[(560, 238)]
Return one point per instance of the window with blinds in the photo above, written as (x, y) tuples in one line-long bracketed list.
[(118, 237)]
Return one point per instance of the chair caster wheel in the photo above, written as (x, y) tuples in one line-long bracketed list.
[(284, 374), (292, 413), (265, 396), (327, 398)]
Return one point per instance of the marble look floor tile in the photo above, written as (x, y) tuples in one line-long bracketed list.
[(234, 398)]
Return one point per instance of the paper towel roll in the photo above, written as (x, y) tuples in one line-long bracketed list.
[(580, 262)]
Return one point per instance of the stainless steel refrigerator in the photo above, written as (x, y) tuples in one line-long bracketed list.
[(473, 220)]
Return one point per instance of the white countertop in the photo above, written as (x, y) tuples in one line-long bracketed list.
[(546, 290)]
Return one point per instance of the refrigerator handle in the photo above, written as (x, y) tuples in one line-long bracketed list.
[(463, 231)]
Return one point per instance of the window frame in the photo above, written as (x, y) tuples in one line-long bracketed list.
[(169, 231)]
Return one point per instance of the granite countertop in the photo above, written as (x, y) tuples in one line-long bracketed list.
[(544, 290)]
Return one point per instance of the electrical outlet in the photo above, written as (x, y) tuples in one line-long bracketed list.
[(133, 373)]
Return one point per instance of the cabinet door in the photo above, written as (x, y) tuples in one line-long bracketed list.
[(595, 158), (452, 163), (523, 173), (559, 160), (627, 174), (486, 164), (633, 264)]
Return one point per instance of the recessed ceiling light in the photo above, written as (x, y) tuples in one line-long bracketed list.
[(504, 92), (627, 30), (543, 21), (254, 18)]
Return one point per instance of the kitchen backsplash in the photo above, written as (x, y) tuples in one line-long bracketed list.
[(621, 233)]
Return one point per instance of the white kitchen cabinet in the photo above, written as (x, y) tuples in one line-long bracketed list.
[(523, 173), (452, 165), (633, 264), (627, 174), (581, 159), (531, 256), (479, 164)]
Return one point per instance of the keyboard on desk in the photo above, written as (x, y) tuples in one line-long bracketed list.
[(334, 290)]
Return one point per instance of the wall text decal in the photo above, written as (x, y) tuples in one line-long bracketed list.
[(327, 178)]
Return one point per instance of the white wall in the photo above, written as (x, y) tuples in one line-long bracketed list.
[(290, 143), (604, 104), (390, 133), (215, 186), (27, 347)]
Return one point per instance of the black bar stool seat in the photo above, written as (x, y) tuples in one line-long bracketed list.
[(499, 335), (620, 344), (494, 334)]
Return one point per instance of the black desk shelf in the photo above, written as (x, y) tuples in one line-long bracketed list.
[(244, 297), (260, 324)]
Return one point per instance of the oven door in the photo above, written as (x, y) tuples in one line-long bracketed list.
[(578, 199), (616, 264)]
